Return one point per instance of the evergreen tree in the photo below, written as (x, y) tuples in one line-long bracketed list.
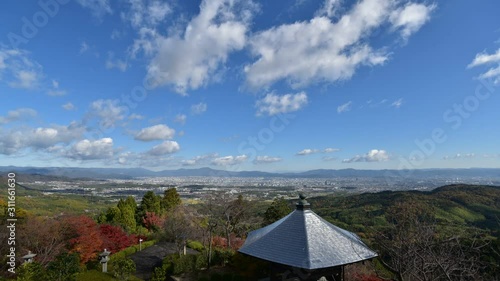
[(278, 209), (170, 200), (127, 215)]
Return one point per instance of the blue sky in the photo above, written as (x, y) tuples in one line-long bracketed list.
[(250, 85)]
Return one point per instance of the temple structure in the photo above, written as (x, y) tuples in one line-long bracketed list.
[(303, 246)]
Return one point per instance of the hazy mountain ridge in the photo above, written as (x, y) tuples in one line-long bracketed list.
[(128, 173)]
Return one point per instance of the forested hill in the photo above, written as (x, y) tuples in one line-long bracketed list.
[(460, 205)]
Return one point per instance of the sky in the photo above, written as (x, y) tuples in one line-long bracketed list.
[(274, 86)]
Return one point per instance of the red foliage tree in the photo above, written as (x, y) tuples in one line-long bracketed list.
[(84, 237), (115, 239), (152, 221)]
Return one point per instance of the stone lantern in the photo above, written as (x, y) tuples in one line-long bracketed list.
[(103, 259), (29, 257)]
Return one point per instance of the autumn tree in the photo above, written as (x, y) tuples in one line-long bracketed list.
[(84, 237), (114, 238), (279, 208), (42, 236), (152, 221)]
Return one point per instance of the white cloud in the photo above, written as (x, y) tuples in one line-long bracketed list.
[(330, 150), (91, 149), (42, 138), (157, 132), (135, 116), (411, 18), (98, 8), (229, 160), (180, 118), (484, 59), (199, 160), (397, 103), (329, 51), (460, 156), (119, 64), (167, 147), (266, 159), (146, 13), (198, 108), (307, 151), (17, 115), (189, 59), (55, 91), (68, 106), (25, 79), (329, 8), (344, 107), (374, 155), (108, 111), (84, 47), (273, 104)]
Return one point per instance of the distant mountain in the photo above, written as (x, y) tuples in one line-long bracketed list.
[(130, 173)]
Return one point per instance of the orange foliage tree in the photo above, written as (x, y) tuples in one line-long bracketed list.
[(84, 237)]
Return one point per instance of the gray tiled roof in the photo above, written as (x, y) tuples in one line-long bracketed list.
[(305, 240)]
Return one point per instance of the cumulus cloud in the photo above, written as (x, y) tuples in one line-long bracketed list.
[(329, 51), (198, 108), (266, 159), (108, 111), (167, 147), (374, 155), (329, 8), (229, 160), (410, 18), (42, 138), (485, 59), (190, 58), (91, 149), (157, 132), (18, 70), (17, 115), (344, 107), (307, 151), (273, 104)]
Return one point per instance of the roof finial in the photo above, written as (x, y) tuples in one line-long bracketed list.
[(302, 204)]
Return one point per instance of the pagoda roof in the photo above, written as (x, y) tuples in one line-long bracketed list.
[(303, 239)]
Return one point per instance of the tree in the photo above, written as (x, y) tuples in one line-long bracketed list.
[(170, 200), (64, 267), (42, 236), (152, 221), (113, 215), (150, 203), (279, 208), (115, 238), (123, 268), (127, 214), (413, 249), (32, 271), (84, 237), (178, 227)]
